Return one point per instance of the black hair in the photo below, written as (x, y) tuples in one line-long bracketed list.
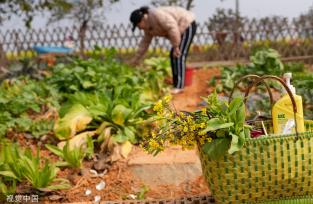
[(144, 9), (137, 15)]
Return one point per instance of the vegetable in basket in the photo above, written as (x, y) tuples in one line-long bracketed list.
[(218, 128)]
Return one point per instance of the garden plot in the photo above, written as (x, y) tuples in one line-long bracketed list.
[(120, 181), (80, 119)]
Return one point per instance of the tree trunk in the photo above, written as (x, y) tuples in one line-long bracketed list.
[(82, 35), (220, 38), (2, 56), (189, 4)]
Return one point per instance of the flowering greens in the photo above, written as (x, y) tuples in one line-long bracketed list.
[(218, 128)]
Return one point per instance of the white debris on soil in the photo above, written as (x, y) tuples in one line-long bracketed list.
[(88, 192), (55, 197), (132, 196), (93, 172), (97, 198), (103, 173), (100, 186)]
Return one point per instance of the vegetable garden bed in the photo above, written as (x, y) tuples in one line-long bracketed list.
[(99, 108), (120, 183)]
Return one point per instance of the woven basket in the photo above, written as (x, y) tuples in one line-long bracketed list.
[(273, 169), (298, 200), (267, 168)]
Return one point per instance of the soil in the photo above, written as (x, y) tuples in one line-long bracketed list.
[(119, 180), (190, 98)]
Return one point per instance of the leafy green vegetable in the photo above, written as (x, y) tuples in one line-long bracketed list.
[(10, 154), (217, 148), (157, 70), (120, 108), (7, 187), (74, 121), (141, 195), (88, 75), (17, 165), (120, 114), (215, 124), (21, 98), (44, 178), (41, 127), (72, 156), (304, 87), (217, 128), (227, 125)]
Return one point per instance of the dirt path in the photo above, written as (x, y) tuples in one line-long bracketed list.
[(189, 99)]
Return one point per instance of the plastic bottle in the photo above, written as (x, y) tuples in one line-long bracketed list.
[(283, 114)]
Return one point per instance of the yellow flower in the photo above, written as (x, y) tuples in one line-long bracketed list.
[(159, 113), (209, 139), (153, 134), (182, 115), (202, 125), (203, 110), (201, 140), (153, 144), (158, 107), (193, 127), (185, 129), (171, 115), (167, 99), (180, 127)]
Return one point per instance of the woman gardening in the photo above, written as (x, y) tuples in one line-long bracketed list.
[(174, 23)]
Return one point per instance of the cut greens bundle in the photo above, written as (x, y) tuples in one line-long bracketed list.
[(219, 128)]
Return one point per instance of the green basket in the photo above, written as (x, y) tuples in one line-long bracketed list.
[(267, 168), (272, 169), (298, 200)]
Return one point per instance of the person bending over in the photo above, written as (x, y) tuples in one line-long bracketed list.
[(174, 23)]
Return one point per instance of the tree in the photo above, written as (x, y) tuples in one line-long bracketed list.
[(273, 27), (21, 8), (188, 4), (225, 23), (10, 8), (83, 13), (26, 9), (304, 23)]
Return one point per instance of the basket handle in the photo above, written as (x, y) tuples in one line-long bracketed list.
[(282, 82), (253, 76)]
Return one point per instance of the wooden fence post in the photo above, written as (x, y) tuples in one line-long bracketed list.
[(82, 34), (3, 59)]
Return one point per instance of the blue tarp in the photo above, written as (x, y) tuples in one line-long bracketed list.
[(45, 50)]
